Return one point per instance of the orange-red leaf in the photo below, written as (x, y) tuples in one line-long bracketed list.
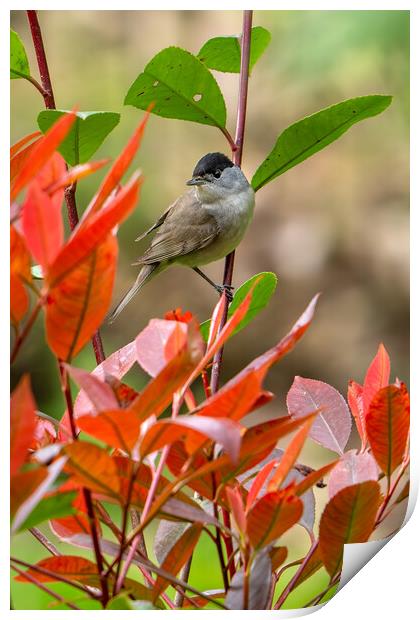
[(290, 456), (22, 423), (20, 260), (23, 485), (388, 425), (236, 504), (177, 556), (349, 517), (75, 174), (42, 225), (117, 171), (42, 151), (78, 304), (19, 299), (85, 240), (271, 516), (118, 428), (19, 159), (54, 169), (18, 146), (258, 483), (277, 556), (91, 466), (377, 376), (355, 401), (72, 567)]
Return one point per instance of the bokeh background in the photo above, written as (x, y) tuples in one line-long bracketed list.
[(337, 223)]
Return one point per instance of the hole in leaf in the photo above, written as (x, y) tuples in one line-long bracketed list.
[(197, 97), (156, 83)]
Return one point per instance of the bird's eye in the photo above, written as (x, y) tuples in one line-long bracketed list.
[(217, 173)]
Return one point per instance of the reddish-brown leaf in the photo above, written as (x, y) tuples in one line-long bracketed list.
[(118, 428), (177, 556), (351, 469), (92, 467), (388, 425), (290, 456), (86, 239), (377, 376), (259, 482), (70, 527), (42, 152), (19, 299), (42, 225), (277, 555), (118, 169), (75, 174), (332, 427), (236, 504), (158, 343), (349, 517), (22, 423), (78, 304), (71, 566), (355, 401), (18, 146), (271, 516)]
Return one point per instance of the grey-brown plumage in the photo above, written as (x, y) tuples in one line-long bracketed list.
[(201, 226)]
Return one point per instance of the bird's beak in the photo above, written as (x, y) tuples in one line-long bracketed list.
[(196, 181)]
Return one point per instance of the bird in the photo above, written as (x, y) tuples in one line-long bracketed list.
[(203, 225)]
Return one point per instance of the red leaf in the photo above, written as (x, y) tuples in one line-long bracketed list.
[(258, 483), (19, 159), (99, 393), (70, 527), (77, 306), (91, 466), (377, 376), (290, 456), (85, 239), (388, 425), (23, 485), (332, 427), (271, 516), (20, 260), (68, 177), (44, 435), (18, 146), (351, 469), (158, 343), (236, 504), (117, 171), (42, 225), (355, 400), (48, 176), (177, 556), (22, 423), (118, 428), (216, 319), (349, 517), (72, 567), (277, 556), (244, 392), (41, 153), (19, 299)]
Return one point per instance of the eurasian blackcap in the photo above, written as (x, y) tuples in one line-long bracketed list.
[(203, 225)]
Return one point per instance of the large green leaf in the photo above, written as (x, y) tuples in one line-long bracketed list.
[(19, 65), (313, 133), (224, 53), (51, 507), (181, 87), (86, 135), (261, 295)]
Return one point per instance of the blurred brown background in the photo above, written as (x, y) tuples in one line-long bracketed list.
[(337, 223)]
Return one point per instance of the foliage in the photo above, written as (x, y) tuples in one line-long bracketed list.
[(200, 472)]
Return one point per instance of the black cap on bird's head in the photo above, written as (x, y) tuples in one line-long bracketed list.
[(208, 167)]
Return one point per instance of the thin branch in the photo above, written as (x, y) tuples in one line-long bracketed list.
[(185, 574), (391, 492), (318, 598), (43, 587), (295, 577), (44, 540), (24, 333), (35, 83)]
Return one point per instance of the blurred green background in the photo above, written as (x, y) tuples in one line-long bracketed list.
[(337, 223)]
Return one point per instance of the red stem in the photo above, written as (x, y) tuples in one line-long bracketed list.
[(296, 576)]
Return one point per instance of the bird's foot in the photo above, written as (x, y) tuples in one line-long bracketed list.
[(227, 289)]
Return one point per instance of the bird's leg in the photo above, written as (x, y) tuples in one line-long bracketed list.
[(220, 288)]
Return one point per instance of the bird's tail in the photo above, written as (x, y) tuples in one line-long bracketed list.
[(144, 275)]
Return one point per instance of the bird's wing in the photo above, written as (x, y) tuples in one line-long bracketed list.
[(187, 227), (158, 223)]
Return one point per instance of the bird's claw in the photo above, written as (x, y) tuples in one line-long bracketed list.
[(227, 289)]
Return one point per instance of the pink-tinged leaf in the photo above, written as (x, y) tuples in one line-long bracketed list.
[(116, 365), (45, 434), (74, 174), (332, 427), (258, 483), (351, 469), (42, 152), (349, 517), (236, 504), (377, 376), (99, 393), (216, 319), (271, 516), (118, 169), (42, 225), (22, 423), (244, 392), (290, 456), (388, 426), (18, 146), (355, 400), (86, 239), (158, 343), (191, 429)]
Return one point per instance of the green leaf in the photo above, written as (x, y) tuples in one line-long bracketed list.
[(181, 87), (224, 53), (121, 601), (86, 134), (51, 507), (263, 291), (313, 133), (19, 65)]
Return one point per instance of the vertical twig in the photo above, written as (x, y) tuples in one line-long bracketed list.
[(296, 576), (70, 191)]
